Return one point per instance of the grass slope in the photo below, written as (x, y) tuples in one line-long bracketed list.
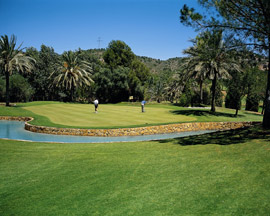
[(226, 173), (118, 115)]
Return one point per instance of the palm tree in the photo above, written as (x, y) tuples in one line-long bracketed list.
[(73, 73), (195, 68), (211, 57), (176, 86), (13, 59), (157, 89)]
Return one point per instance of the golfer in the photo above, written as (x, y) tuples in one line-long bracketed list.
[(143, 103), (96, 105)]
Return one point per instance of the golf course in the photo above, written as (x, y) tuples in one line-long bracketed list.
[(121, 115), (223, 173), (135, 108)]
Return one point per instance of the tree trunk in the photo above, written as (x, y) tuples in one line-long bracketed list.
[(201, 92), (213, 89), (236, 112), (266, 116), (263, 107), (71, 94), (7, 88)]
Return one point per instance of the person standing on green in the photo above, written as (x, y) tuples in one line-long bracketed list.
[(96, 105), (142, 104)]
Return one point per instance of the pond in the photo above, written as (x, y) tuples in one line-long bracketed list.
[(14, 130)]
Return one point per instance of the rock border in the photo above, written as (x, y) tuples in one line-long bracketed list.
[(16, 118), (138, 131)]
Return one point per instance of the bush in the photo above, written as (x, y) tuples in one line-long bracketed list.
[(184, 100), (206, 96), (256, 81), (187, 97), (196, 101), (252, 103), (219, 96), (233, 100), (20, 89)]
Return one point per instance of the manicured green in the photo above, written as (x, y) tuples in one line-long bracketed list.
[(118, 115), (225, 173), (108, 115)]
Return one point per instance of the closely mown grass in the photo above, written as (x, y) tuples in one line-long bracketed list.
[(57, 114), (225, 173)]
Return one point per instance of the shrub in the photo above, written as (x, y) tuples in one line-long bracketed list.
[(252, 103), (206, 96), (233, 100), (184, 100), (20, 89), (219, 96)]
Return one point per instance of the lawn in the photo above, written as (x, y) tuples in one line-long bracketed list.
[(118, 115), (225, 173)]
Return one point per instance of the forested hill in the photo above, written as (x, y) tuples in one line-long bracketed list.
[(95, 52), (156, 66)]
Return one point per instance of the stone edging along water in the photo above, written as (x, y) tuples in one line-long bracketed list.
[(150, 130)]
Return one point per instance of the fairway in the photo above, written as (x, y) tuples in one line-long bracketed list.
[(108, 115), (226, 173)]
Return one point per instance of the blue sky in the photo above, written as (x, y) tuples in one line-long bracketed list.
[(150, 27)]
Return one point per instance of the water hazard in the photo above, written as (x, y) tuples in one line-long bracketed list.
[(15, 130)]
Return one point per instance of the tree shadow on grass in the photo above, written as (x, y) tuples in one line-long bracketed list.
[(224, 137), (253, 113), (203, 113)]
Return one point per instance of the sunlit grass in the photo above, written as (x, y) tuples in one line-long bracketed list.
[(222, 174), (59, 114), (108, 115)]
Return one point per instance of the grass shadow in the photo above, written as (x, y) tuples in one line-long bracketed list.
[(207, 113), (223, 137)]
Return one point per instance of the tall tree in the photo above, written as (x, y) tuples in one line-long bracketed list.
[(255, 81), (194, 64), (73, 73), (235, 92), (128, 75), (13, 59), (117, 54), (248, 19), (158, 89), (137, 79), (175, 87), (47, 62), (111, 86), (211, 57)]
